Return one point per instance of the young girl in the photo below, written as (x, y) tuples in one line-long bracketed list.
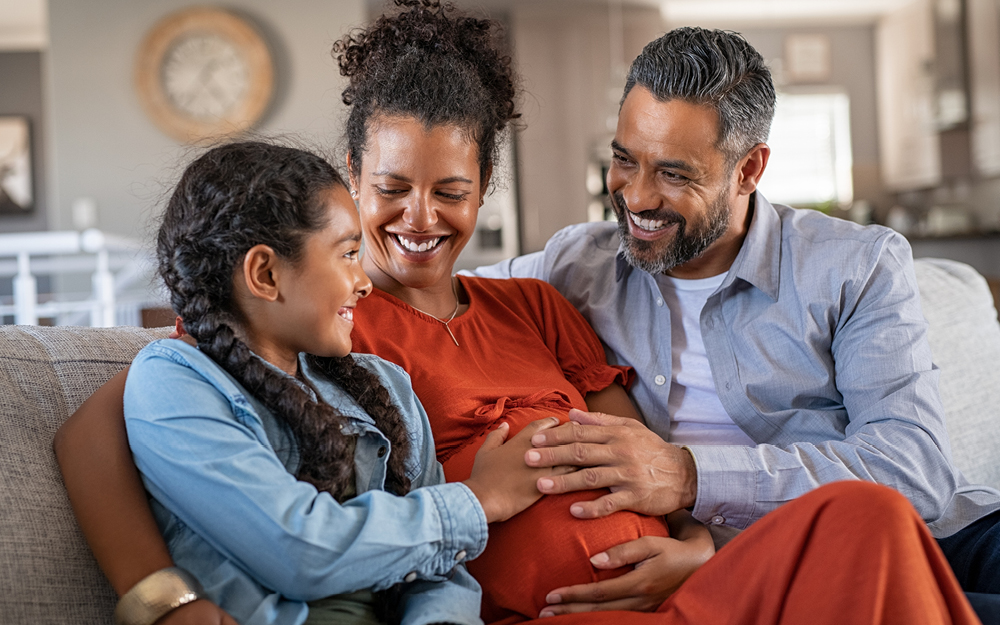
[(284, 471)]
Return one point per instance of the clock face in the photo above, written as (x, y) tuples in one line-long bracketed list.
[(205, 76)]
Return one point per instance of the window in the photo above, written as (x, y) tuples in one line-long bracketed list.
[(810, 163)]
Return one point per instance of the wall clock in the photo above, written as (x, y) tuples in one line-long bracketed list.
[(203, 74)]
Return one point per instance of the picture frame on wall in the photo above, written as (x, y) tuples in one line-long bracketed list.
[(16, 182)]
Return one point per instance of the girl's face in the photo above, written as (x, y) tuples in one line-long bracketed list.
[(323, 287), (419, 193)]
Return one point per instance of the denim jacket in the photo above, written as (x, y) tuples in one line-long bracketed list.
[(220, 468)]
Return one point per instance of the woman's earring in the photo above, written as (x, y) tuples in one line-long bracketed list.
[(354, 194)]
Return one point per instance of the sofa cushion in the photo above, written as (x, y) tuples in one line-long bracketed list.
[(965, 341), (47, 574)]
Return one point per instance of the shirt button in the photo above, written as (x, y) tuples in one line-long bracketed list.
[(410, 577), (460, 555), (659, 301), (727, 386), (660, 380), (718, 519), (381, 451)]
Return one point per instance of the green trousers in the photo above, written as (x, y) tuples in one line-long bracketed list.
[(355, 608)]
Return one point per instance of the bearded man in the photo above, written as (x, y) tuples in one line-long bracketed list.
[(776, 349)]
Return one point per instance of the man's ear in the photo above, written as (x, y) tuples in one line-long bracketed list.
[(751, 168), (260, 273)]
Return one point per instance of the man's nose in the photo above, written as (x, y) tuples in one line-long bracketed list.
[(640, 194)]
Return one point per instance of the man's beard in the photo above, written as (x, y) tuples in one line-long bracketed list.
[(661, 256)]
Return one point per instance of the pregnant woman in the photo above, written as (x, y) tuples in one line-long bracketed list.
[(430, 93)]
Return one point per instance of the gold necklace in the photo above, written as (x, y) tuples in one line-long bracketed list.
[(450, 319)]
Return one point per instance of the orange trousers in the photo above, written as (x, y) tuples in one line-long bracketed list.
[(848, 553)]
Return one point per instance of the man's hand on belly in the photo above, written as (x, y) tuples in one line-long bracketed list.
[(644, 473), (661, 566)]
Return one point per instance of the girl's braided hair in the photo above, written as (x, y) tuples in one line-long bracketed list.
[(431, 63), (228, 200)]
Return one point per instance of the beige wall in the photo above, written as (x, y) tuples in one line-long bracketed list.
[(563, 53), (103, 146)]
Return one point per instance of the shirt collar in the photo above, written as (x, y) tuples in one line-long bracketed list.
[(759, 259)]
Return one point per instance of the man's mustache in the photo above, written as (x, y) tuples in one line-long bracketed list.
[(663, 214)]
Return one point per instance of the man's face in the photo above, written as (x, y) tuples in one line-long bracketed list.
[(670, 186)]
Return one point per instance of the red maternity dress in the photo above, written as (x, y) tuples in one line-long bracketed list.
[(525, 353)]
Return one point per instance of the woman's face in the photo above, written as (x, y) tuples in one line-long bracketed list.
[(418, 193)]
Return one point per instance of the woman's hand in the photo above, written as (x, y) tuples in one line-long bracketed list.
[(661, 566), (500, 479), (200, 612)]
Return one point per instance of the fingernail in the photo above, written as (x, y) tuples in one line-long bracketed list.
[(534, 456), (599, 559), (553, 598), (538, 439), (576, 510), (554, 420), (546, 614), (545, 484), (503, 425)]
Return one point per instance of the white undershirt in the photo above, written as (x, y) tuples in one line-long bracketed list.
[(696, 414)]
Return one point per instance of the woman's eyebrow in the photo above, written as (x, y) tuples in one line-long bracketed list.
[(389, 174)]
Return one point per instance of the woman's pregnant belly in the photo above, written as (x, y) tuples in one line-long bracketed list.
[(543, 547)]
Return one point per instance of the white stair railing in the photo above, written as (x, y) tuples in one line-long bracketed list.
[(69, 252)]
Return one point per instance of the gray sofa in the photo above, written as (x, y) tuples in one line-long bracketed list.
[(47, 574)]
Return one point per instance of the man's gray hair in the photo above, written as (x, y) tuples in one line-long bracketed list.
[(712, 67)]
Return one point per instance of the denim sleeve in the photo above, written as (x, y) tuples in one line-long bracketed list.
[(895, 432), (205, 456), (457, 599)]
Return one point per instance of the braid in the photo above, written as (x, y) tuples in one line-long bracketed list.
[(374, 399)]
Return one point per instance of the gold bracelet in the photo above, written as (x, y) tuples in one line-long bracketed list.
[(156, 595)]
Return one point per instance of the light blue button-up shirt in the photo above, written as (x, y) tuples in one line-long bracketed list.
[(220, 468), (818, 349)]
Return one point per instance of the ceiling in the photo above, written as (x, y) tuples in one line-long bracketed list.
[(711, 12), (23, 22)]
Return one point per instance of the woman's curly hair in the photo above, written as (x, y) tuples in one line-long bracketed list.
[(228, 200), (429, 62)]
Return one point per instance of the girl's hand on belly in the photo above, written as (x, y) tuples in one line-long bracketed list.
[(661, 566), (500, 479)]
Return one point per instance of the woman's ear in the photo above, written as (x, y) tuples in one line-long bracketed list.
[(260, 273), (484, 184), (353, 180)]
